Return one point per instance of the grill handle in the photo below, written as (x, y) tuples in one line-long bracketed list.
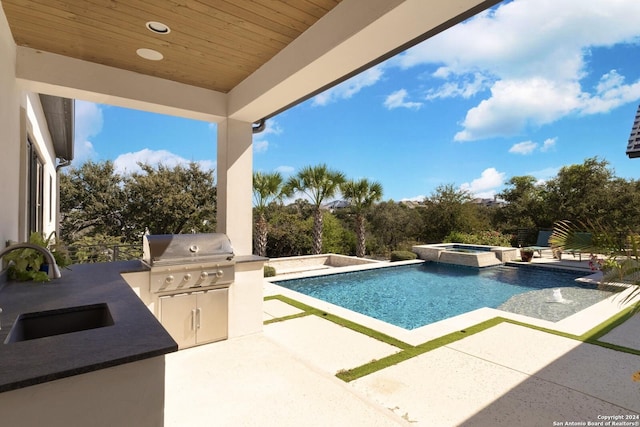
[(198, 314), (193, 319)]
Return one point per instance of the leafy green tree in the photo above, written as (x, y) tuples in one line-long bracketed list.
[(393, 226), (525, 204), (361, 195), (91, 201), (335, 238), (578, 191), (167, 200), (266, 189), (318, 183), (623, 203), (289, 233), (449, 209)]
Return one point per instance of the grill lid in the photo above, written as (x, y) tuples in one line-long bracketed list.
[(162, 249)]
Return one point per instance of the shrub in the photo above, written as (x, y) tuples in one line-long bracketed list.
[(402, 256), (458, 237), (490, 238), (269, 271)]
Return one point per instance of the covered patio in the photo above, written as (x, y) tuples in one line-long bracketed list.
[(229, 63), (236, 64)]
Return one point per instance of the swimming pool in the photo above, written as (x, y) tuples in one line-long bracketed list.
[(417, 295)]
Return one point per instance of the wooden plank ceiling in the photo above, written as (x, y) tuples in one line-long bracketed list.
[(214, 44)]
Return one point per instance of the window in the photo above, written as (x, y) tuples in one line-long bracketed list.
[(35, 174), (50, 198)]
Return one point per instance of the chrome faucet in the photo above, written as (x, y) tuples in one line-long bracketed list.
[(54, 271)]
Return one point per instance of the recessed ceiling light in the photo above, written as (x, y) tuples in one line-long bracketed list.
[(158, 27), (150, 54)]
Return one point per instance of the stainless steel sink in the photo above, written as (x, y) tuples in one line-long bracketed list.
[(31, 326)]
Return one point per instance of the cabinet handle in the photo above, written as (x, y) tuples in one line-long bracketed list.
[(198, 314), (193, 319)]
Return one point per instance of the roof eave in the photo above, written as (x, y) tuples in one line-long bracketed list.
[(59, 113)]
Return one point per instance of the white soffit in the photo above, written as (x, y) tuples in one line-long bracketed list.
[(58, 75)]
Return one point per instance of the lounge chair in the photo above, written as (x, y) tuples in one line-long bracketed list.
[(543, 242)]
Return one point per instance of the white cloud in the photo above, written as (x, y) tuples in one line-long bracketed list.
[(272, 127), (128, 163), (347, 89), (533, 55), (528, 147), (487, 185), (514, 104), (525, 147), (398, 99), (260, 144), (88, 124), (611, 92), (465, 87), (548, 144)]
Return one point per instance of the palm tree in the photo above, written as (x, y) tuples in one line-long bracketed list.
[(621, 252), (266, 189), (318, 183), (361, 195)]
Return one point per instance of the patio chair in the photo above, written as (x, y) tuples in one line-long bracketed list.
[(543, 242)]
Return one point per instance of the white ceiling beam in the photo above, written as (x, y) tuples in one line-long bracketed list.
[(354, 35), (58, 75)]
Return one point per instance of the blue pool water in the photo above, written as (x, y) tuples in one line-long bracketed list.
[(417, 295), (454, 247)]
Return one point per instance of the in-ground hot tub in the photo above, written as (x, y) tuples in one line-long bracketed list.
[(463, 254)]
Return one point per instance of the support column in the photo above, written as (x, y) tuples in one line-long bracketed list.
[(235, 184)]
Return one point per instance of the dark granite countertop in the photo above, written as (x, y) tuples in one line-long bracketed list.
[(135, 334)]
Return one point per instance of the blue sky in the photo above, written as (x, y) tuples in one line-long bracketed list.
[(523, 89)]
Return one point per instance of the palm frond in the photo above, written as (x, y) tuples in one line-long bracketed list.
[(621, 250)]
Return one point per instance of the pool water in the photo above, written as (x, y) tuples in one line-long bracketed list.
[(417, 295), (465, 251), (467, 248)]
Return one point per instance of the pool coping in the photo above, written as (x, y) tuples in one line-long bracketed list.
[(576, 324)]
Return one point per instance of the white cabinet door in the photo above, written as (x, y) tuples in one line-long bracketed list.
[(196, 318), (178, 316), (212, 315)]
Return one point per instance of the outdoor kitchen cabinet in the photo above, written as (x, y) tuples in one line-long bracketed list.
[(196, 317)]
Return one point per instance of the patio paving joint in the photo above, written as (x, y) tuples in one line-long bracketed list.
[(409, 351)]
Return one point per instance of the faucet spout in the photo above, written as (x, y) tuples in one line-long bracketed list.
[(54, 271)]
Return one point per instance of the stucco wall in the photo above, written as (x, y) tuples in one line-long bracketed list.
[(126, 395), (9, 135), (21, 115), (39, 135)]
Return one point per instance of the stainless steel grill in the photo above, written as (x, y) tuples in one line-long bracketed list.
[(186, 261)]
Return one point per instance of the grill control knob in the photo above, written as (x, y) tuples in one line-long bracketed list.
[(187, 277), (204, 275), (219, 273), (169, 278)]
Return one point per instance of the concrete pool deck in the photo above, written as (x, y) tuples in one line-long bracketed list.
[(505, 375)]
